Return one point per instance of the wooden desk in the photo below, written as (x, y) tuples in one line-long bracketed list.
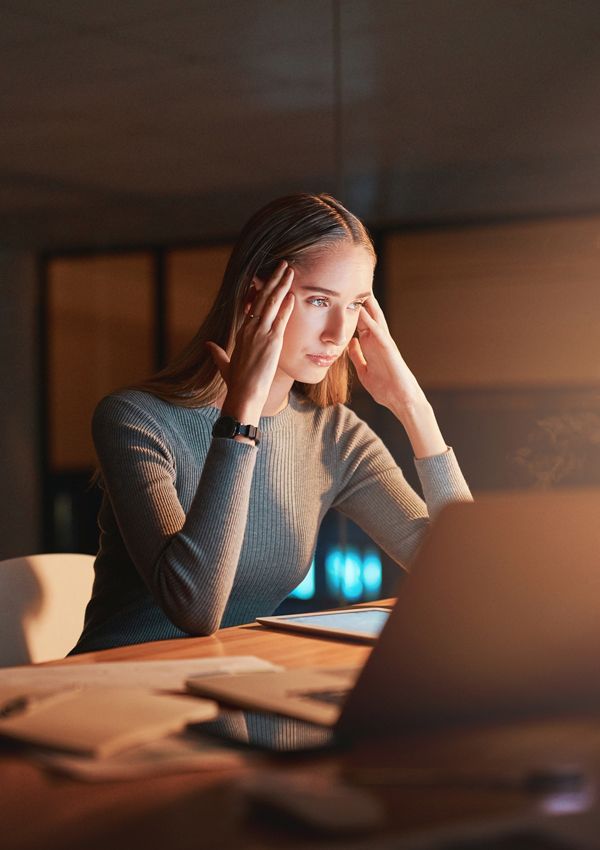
[(40, 810), (290, 650)]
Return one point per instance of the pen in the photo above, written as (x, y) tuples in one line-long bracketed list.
[(14, 706), (21, 702)]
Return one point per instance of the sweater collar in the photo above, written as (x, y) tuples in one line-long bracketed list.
[(296, 402)]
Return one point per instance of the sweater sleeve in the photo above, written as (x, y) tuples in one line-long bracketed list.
[(187, 562), (374, 493)]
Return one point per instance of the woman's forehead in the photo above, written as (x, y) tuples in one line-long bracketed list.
[(341, 268)]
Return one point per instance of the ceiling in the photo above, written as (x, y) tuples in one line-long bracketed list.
[(140, 121)]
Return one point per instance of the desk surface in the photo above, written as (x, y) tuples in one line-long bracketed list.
[(196, 810), (286, 648)]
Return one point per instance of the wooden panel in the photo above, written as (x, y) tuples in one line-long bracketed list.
[(100, 326), (512, 304), (193, 278)]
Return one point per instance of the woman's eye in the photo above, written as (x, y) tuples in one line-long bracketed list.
[(318, 302), (356, 305)]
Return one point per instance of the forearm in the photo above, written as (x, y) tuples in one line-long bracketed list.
[(183, 531), (394, 515), (442, 481), (195, 572), (420, 424)]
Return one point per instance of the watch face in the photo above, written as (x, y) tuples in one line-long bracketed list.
[(225, 426)]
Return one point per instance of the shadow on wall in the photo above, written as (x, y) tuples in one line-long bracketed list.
[(21, 598)]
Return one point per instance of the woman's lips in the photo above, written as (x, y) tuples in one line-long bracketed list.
[(322, 359)]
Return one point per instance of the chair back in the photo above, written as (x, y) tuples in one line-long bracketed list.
[(42, 605)]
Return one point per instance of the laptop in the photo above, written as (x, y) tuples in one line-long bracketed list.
[(499, 619)]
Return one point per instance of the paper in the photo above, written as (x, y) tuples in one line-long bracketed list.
[(154, 675), (88, 707), (181, 753), (102, 721)]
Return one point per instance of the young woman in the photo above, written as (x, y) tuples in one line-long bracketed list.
[(218, 471)]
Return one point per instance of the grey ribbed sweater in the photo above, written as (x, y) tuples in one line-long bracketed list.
[(199, 533)]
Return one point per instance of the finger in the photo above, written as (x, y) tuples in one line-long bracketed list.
[(366, 322), (285, 311), (219, 356), (250, 298), (372, 307), (265, 291), (255, 287), (274, 300), (357, 357)]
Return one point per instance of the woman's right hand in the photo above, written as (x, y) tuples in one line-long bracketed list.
[(249, 371)]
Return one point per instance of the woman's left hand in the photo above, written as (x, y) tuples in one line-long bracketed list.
[(379, 365), (386, 377)]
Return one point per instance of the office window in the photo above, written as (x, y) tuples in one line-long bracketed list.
[(100, 337), (193, 277)]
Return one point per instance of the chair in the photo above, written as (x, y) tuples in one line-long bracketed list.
[(42, 605)]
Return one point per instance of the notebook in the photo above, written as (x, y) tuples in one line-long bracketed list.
[(499, 619), (103, 721)]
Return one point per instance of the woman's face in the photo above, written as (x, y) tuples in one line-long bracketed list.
[(329, 286)]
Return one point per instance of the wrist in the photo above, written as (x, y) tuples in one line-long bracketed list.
[(230, 428), (420, 424), (243, 411), (412, 411)]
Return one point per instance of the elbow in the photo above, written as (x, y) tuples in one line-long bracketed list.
[(195, 614), (196, 623), (203, 627), (196, 610)]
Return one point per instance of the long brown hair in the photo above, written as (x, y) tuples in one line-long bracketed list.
[(287, 228)]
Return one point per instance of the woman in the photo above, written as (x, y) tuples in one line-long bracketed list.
[(217, 471)]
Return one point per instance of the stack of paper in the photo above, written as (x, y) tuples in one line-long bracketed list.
[(102, 721), (117, 719)]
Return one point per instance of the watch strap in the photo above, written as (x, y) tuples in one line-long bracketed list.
[(228, 427), (250, 431)]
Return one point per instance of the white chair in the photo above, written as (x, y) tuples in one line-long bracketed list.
[(42, 605)]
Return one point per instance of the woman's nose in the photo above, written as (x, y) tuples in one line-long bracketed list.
[(335, 331)]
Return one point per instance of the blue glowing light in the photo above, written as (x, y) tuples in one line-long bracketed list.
[(371, 574), (351, 576), (306, 588)]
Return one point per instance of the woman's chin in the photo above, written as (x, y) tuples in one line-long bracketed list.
[(312, 375), (306, 373)]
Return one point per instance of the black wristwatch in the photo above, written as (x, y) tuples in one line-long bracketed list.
[(227, 426)]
